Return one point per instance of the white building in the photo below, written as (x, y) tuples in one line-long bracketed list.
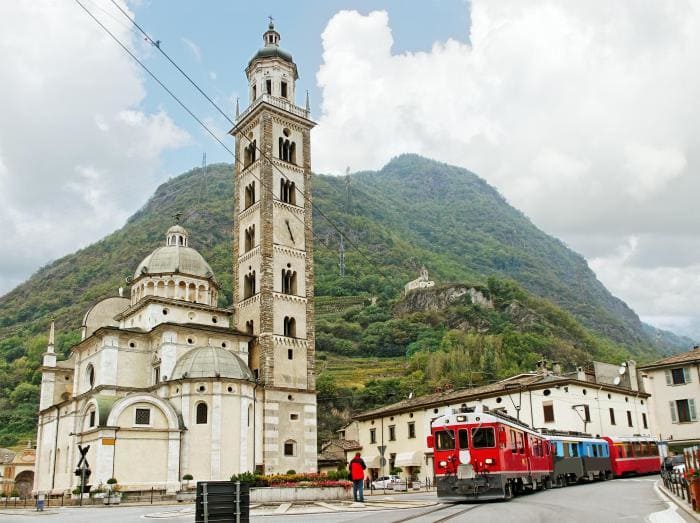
[(674, 385), (542, 400), (422, 282), (166, 383)]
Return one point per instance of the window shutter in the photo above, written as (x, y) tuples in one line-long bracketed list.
[(669, 381), (691, 408), (687, 374), (674, 417)]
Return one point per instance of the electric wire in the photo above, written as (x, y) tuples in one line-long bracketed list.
[(187, 109), (157, 45)]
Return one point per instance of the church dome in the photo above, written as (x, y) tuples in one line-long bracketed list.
[(211, 362), (272, 49), (175, 257)]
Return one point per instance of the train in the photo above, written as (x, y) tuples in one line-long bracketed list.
[(485, 455)]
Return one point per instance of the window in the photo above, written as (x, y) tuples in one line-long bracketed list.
[(290, 448), (286, 150), (513, 441), (521, 443), (142, 417), (249, 285), (249, 153), (249, 240), (683, 411), (294, 417), (392, 432), (444, 440), (288, 192), (289, 281), (290, 354), (612, 416), (411, 429), (268, 90), (90, 375), (283, 88), (202, 413), (156, 375), (255, 92), (483, 438), (644, 420), (548, 412), (249, 325), (290, 327), (586, 413), (678, 376), (629, 418), (372, 435), (463, 436), (249, 194), (92, 418)]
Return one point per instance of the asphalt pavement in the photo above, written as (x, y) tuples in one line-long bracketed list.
[(624, 500)]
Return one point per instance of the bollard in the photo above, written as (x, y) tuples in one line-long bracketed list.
[(152, 495)]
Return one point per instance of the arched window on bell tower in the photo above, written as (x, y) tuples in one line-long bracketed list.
[(249, 238), (289, 281), (249, 285), (290, 327), (288, 191), (249, 194), (249, 153)]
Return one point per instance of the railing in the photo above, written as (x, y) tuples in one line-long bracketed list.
[(677, 484), (282, 103), (148, 496)]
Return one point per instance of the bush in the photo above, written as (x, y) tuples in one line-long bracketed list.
[(291, 472)]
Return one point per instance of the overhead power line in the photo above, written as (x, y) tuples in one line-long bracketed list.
[(157, 45)]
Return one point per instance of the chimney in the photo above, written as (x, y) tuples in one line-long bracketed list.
[(580, 374), (556, 369), (632, 371)]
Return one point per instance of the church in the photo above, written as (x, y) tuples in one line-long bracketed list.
[(165, 382)]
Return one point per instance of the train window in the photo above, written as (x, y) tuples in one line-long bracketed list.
[(483, 438), (444, 440), (637, 449), (628, 450), (573, 450), (559, 448), (513, 440), (595, 450), (521, 443), (462, 436)]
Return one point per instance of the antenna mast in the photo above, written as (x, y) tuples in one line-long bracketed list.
[(341, 257)]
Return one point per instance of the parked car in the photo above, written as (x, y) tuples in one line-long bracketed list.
[(385, 482)]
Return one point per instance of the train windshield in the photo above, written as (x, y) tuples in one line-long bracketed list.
[(444, 440), (483, 437)]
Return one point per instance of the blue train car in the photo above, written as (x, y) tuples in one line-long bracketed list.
[(579, 458)]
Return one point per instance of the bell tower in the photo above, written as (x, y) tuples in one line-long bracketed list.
[(273, 279)]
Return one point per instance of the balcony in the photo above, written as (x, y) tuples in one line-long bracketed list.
[(281, 103)]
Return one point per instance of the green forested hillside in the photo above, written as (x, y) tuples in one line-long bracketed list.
[(413, 212)]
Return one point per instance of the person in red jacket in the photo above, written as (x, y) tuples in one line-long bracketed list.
[(357, 475)]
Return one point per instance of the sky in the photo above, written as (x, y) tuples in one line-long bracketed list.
[(584, 115)]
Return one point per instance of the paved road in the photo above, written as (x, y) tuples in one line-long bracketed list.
[(626, 500)]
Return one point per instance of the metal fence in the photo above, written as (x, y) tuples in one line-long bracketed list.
[(142, 497), (677, 484)]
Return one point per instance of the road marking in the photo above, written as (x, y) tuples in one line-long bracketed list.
[(669, 514)]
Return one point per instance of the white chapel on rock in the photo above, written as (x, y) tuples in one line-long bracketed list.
[(166, 383)]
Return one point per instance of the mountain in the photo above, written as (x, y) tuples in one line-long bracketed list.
[(413, 212)]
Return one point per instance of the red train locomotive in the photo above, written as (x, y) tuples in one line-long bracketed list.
[(479, 455), (489, 455)]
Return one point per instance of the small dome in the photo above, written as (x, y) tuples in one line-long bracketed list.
[(175, 257), (211, 362)]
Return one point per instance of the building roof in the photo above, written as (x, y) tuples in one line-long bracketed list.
[(691, 356), (171, 259), (345, 444), (211, 362), (513, 384)]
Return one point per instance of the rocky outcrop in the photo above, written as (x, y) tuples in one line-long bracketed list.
[(438, 298)]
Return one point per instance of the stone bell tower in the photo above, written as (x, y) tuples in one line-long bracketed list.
[(273, 257)]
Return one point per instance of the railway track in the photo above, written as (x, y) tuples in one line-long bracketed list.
[(452, 512)]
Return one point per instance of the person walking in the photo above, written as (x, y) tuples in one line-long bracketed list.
[(357, 469)]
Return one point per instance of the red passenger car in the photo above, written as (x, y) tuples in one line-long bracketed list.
[(633, 455), (482, 455)]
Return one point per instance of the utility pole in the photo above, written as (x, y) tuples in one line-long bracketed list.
[(347, 189), (341, 257)]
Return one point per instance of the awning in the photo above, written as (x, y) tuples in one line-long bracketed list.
[(372, 462), (409, 459)]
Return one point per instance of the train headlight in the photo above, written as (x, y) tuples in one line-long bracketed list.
[(489, 461), (443, 464)]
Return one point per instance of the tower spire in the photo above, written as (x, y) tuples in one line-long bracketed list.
[(52, 339)]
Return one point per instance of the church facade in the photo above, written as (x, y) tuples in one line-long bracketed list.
[(166, 383)]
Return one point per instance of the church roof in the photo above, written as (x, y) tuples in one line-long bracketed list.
[(211, 362), (176, 256)]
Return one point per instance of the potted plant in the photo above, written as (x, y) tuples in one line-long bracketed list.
[(185, 494), (113, 496)]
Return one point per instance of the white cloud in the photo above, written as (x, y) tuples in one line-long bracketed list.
[(78, 153), (584, 115), (193, 48)]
